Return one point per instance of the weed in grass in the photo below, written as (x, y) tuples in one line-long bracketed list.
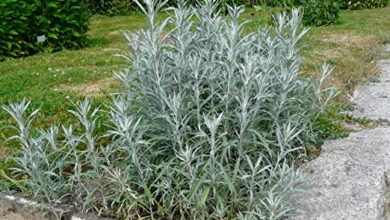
[(329, 124)]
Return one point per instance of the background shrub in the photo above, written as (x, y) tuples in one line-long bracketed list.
[(16, 37), (207, 126), (361, 4), (63, 22), (279, 3), (320, 12), (316, 12)]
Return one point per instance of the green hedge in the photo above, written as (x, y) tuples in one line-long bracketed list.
[(63, 23)]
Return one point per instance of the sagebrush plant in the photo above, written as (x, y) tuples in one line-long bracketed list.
[(207, 127)]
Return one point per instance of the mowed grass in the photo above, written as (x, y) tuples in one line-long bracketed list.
[(52, 80), (352, 46)]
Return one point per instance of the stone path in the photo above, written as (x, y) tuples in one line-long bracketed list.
[(387, 49), (372, 101), (350, 180)]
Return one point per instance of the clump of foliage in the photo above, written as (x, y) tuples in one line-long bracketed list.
[(320, 12), (64, 24), (207, 127), (329, 124), (361, 4)]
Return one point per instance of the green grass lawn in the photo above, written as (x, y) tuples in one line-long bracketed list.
[(352, 46), (51, 80)]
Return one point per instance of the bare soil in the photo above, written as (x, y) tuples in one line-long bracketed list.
[(90, 89)]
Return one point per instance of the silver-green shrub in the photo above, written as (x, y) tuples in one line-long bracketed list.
[(207, 127)]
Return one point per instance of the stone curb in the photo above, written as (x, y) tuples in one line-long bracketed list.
[(350, 180), (24, 207)]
